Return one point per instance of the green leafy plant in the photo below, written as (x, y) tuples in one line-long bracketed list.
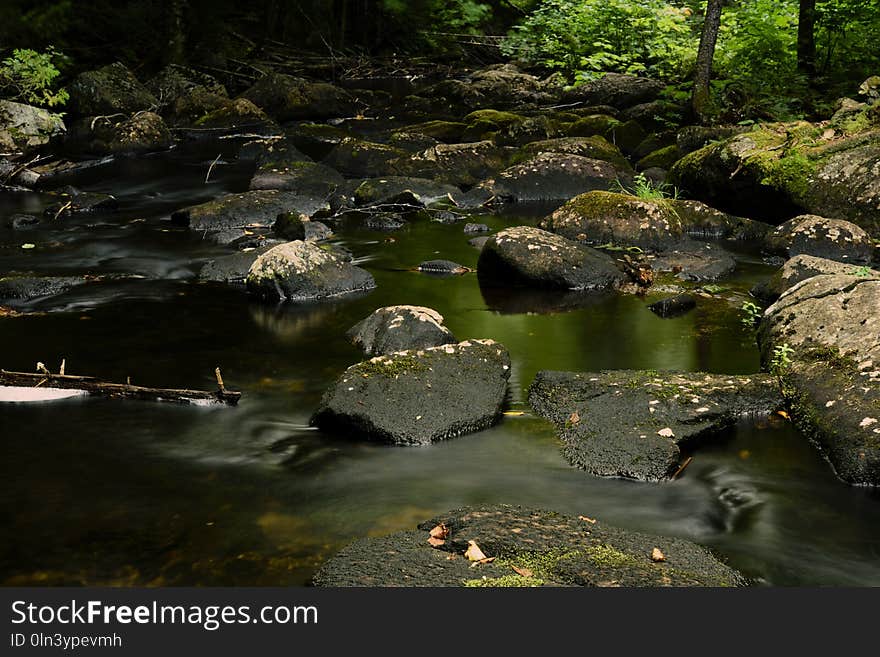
[(647, 190), (30, 76), (751, 314), (861, 272), (780, 359)]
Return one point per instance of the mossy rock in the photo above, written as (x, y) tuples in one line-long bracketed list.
[(529, 547), (237, 114), (596, 124), (494, 117), (108, 90), (450, 132), (663, 158), (287, 98), (628, 135), (358, 157), (595, 147)]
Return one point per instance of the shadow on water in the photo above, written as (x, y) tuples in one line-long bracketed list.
[(102, 492)]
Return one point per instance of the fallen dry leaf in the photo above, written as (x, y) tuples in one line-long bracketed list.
[(782, 414), (574, 418), (828, 134), (487, 560), (440, 531), (657, 555), (525, 572), (666, 433), (514, 413), (474, 553), (592, 521), (436, 542)]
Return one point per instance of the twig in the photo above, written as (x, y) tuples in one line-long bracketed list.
[(61, 369), (64, 207), (219, 379), (211, 168), (681, 468)]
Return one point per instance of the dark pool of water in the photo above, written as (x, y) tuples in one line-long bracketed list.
[(101, 492)]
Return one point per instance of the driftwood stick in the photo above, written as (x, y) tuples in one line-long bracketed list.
[(211, 168), (681, 468), (117, 390)]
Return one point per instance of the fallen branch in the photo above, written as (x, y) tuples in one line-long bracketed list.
[(93, 386), (211, 168)]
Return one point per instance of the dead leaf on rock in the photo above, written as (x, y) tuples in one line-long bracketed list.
[(828, 134), (666, 433), (574, 418), (657, 555), (782, 414), (474, 553), (592, 521), (436, 542), (525, 572), (440, 531)]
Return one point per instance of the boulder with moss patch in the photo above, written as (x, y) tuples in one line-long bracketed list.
[(287, 98), (25, 128), (398, 328), (455, 164), (526, 547), (108, 90), (419, 397), (361, 158), (595, 147), (632, 424), (833, 239)]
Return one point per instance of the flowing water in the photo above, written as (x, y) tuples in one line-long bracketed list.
[(97, 491)]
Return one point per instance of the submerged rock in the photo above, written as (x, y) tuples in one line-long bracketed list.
[(16, 291), (257, 209), (554, 176), (821, 336), (108, 90), (398, 328), (528, 548), (75, 202), (673, 306), (833, 239), (303, 271), (632, 424), (418, 397), (535, 257), (24, 128)]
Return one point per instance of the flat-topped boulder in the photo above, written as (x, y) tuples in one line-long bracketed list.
[(632, 424), (303, 271), (419, 397), (833, 239), (800, 268), (596, 148), (248, 209), (399, 328), (534, 257), (288, 98), (523, 548)]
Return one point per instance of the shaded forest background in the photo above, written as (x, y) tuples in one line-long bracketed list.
[(779, 59)]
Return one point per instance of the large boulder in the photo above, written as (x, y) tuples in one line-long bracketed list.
[(398, 328), (821, 338), (524, 548), (397, 190), (800, 268), (24, 128), (18, 291), (421, 396), (101, 135), (781, 170), (500, 86), (280, 165), (595, 147), (616, 89), (175, 82), (600, 217), (303, 271), (228, 116), (109, 90), (554, 177), (286, 98), (632, 424), (232, 268), (361, 158), (455, 164), (256, 209), (534, 257), (833, 239)]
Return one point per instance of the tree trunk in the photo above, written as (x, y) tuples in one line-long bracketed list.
[(700, 98), (806, 39), (176, 53)]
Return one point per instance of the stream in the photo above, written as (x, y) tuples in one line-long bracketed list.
[(102, 492)]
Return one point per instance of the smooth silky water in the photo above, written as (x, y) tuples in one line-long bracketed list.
[(95, 491)]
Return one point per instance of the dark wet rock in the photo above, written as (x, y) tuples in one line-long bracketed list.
[(596, 148), (442, 268), (316, 139), (418, 397), (554, 177), (531, 129), (833, 239), (535, 257), (285, 168), (616, 89), (232, 268), (450, 132), (361, 158), (22, 221), (500, 86), (175, 81), (800, 268), (101, 135), (632, 424), (16, 291), (662, 158), (25, 128), (628, 135), (286, 98), (234, 116), (316, 231), (479, 242), (655, 115), (595, 124), (695, 261), (394, 190), (239, 211), (476, 228), (782, 170), (455, 164), (693, 137), (412, 141), (828, 326), (601, 217), (655, 175), (290, 226), (108, 90), (303, 271), (398, 328), (75, 202), (673, 306), (556, 550), (502, 297)]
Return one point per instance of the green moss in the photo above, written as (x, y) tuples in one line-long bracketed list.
[(596, 124), (443, 130), (494, 117), (831, 356), (664, 158), (389, 366), (505, 581), (541, 564), (606, 556), (790, 174)]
